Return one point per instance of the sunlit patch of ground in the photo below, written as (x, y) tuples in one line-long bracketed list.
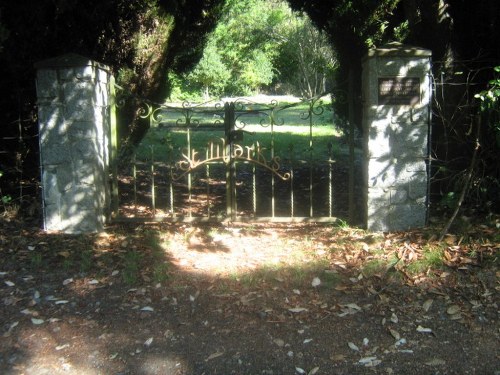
[(248, 299)]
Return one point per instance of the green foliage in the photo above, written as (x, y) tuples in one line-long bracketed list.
[(306, 61), (5, 199), (210, 73), (490, 104), (432, 258), (261, 45)]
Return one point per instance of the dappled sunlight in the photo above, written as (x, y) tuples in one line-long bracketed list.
[(193, 299), (160, 363), (224, 251)]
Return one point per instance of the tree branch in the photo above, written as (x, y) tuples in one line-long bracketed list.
[(467, 182)]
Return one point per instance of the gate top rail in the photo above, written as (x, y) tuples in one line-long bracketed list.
[(212, 111)]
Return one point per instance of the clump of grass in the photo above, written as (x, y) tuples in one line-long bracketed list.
[(375, 267), (160, 272), (67, 264), (86, 260), (432, 258), (161, 268), (131, 268), (36, 260)]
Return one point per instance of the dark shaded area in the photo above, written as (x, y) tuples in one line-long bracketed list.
[(209, 195), (102, 302)]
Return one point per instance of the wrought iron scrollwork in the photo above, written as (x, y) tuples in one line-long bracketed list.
[(217, 151)]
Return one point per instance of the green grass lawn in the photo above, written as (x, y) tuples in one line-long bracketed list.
[(294, 134)]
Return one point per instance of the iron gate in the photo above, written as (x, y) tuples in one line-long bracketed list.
[(234, 160)]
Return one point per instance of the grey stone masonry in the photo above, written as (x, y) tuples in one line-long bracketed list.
[(74, 118), (396, 119)]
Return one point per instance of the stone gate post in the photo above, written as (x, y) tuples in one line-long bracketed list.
[(396, 125), (74, 119)]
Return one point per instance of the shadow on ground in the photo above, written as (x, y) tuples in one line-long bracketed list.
[(250, 299)]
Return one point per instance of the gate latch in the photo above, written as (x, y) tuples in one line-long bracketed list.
[(236, 136)]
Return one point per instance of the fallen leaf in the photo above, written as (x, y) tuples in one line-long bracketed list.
[(307, 341), (214, 355), (457, 316), (11, 327), (147, 308), (313, 371), (423, 329), (369, 361), (279, 342), (400, 342), (61, 302), (68, 281), (394, 318), (353, 346), (316, 282), (37, 321), (300, 370), (337, 357), (297, 309), (28, 312), (9, 283), (348, 309), (427, 304), (193, 298), (352, 306), (453, 309), (395, 334), (148, 342), (61, 347), (93, 282)]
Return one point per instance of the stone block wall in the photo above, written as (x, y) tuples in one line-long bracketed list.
[(74, 118), (396, 116)]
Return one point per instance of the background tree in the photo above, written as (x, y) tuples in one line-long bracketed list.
[(264, 46), (210, 73), (306, 62)]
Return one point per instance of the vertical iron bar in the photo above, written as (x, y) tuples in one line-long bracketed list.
[(311, 160), (170, 157), (134, 177), (254, 182), (153, 188), (351, 144), (235, 202), (20, 144), (229, 120), (272, 158), (292, 203), (330, 181), (114, 147), (189, 177), (208, 182)]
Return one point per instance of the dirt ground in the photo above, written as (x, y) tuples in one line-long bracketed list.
[(248, 299)]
